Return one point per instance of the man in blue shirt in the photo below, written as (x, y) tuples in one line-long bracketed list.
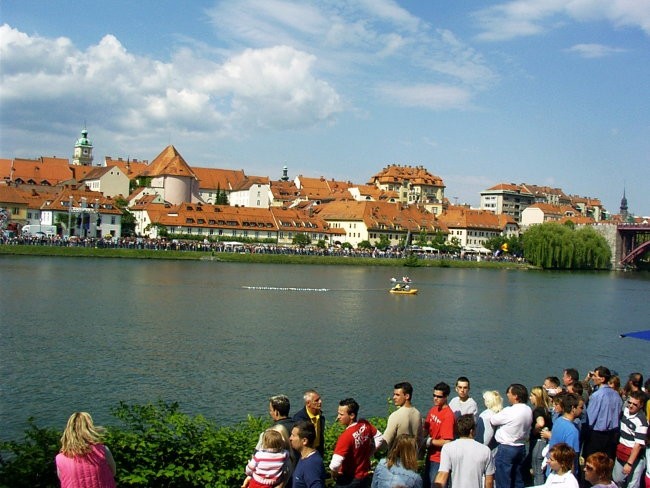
[(309, 472), (564, 428), (603, 416)]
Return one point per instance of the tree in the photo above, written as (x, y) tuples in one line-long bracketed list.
[(557, 246), (364, 245), (160, 228), (128, 220), (301, 239), (221, 198), (383, 243), (422, 239)]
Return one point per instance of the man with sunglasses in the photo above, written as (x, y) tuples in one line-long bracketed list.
[(629, 465), (439, 427)]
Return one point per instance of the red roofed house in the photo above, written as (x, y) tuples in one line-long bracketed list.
[(413, 184), (472, 228), (370, 220), (172, 178), (109, 180), (539, 213)]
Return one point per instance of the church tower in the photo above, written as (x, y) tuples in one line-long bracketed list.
[(83, 150), (623, 210)]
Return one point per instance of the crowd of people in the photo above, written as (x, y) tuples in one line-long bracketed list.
[(205, 245), (565, 433)]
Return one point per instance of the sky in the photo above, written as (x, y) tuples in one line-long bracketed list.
[(546, 92)]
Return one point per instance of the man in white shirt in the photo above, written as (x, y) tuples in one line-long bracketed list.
[(514, 427), (468, 461), (463, 404)]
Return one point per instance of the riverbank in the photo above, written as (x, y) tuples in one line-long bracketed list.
[(234, 257)]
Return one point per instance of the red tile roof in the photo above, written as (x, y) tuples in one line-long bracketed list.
[(169, 163)]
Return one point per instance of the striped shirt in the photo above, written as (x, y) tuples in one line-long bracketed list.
[(633, 429), (267, 467)]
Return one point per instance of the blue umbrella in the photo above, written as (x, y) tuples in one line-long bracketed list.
[(642, 334)]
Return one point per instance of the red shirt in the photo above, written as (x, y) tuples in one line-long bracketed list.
[(439, 424), (356, 444)]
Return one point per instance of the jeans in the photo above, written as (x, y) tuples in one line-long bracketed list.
[(508, 464), (433, 471), (633, 479)]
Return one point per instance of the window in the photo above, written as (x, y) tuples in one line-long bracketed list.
[(113, 219)]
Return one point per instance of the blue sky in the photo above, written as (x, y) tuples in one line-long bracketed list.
[(548, 92)]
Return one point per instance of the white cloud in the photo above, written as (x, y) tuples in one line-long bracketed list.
[(429, 96), (272, 88), (347, 38), (519, 18), (591, 51)]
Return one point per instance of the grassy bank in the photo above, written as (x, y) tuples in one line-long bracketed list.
[(245, 258)]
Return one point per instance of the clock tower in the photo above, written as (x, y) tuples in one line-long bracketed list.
[(83, 150)]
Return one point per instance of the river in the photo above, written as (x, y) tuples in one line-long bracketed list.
[(219, 338)]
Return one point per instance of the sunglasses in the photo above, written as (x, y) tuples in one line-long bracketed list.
[(438, 396), (588, 468)]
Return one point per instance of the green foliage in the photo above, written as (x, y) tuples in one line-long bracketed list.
[(321, 244), (364, 245), (557, 246), (422, 239), (346, 245), (127, 222), (161, 446), (412, 262), (221, 198), (154, 445), (30, 463), (301, 239), (383, 243)]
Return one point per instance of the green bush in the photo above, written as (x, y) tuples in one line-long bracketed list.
[(30, 463), (154, 445)]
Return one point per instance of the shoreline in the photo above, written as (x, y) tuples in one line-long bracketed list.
[(251, 258)]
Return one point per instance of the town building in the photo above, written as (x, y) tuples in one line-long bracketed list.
[(172, 178), (369, 221), (275, 225), (471, 229), (538, 213), (109, 180), (507, 198), (413, 184)]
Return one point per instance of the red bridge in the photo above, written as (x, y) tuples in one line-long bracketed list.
[(635, 242)]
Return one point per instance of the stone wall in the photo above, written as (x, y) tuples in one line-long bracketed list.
[(611, 235)]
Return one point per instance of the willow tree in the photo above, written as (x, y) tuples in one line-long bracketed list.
[(558, 246)]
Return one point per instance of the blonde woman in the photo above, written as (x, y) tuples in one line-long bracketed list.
[(484, 430), (83, 460), (542, 421)]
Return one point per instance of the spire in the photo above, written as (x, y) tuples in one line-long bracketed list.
[(623, 209)]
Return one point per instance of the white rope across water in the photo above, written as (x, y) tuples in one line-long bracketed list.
[(284, 288)]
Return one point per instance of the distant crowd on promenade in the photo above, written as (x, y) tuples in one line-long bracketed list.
[(563, 433), (166, 244)]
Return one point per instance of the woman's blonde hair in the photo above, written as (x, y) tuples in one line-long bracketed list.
[(404, 451), (493, 400), (272, 440), (79, 435), (541, 398)]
